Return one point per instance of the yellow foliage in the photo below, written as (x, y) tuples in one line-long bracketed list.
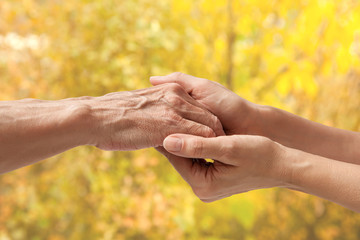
[(302, 56)]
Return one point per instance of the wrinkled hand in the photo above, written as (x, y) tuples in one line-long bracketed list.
[(237, 115), (143, 118), (241, 163)]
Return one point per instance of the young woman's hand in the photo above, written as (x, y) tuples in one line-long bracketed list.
[(241, 163), (237, 115)]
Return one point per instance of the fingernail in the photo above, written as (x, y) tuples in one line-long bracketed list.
[(173, 144), (154, 77)]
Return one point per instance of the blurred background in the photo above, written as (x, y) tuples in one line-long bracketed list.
[(302, 56)]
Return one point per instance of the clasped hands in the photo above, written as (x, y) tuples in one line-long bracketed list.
[(191, 120), (241, 160), (199, 119)]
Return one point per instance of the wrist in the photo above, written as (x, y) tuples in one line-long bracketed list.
[(108, 117), (253, 114), (290, 165), (262, 115), (280, 169), (79, 120)]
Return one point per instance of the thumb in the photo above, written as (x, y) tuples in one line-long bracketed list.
[(190, 146), (188, 82)]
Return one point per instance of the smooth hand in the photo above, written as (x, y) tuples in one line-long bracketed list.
[(238, 116), (241, 163), (143, 118)]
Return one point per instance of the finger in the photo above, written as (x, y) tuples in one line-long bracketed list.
[(208, 94), (200, 115), (187, 126), (182, 165), (193, 110), (199, 147), (188, 82)]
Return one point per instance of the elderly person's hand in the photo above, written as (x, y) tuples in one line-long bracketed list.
[(143, 118), (32, 130)]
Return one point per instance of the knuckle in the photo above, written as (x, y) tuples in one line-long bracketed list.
[(231, 145), (201, 130), (217, 123), (174, 99), (170, 117), (175, 88), (269, 145), (264, 143), (196, 147), (173, 116), (229, 149), (208, 132)]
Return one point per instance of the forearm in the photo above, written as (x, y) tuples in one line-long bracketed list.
[(330, 179), (32, 130), (296, 132)]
